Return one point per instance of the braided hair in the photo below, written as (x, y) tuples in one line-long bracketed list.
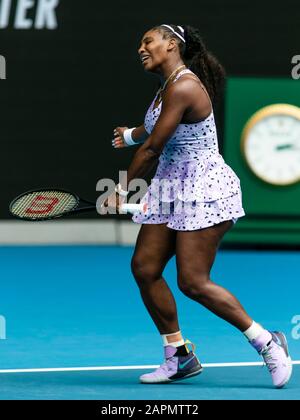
[(197, 58)]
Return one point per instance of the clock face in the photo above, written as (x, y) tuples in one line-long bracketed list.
[(271, 144)]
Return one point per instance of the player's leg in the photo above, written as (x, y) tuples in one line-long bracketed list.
[(154, 248), (195, 254)]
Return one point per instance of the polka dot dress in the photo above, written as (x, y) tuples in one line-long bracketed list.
[(193, 187)]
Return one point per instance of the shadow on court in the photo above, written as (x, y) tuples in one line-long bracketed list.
[(214, 383)]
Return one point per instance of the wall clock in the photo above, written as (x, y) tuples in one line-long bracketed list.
[(271, 144)]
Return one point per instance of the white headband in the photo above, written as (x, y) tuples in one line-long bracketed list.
[(176, 33)]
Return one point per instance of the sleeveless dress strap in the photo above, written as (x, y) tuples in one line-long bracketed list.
[(188, 71), (181, 73)]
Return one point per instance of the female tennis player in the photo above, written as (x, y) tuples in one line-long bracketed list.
[(196, 204)]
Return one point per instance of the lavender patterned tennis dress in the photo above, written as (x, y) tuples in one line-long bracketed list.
[(193, 187)]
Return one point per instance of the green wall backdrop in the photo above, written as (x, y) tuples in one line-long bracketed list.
[(272, 212)]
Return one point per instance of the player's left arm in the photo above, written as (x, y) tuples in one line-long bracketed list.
[(176, 102)]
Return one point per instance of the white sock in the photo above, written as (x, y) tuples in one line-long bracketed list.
[(174, 343), (254, 331)]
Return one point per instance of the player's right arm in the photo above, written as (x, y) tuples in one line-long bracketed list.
[(139, 135)]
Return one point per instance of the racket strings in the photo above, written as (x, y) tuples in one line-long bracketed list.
[(41, 204)]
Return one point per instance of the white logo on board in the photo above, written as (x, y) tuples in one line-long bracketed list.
[(21, 16)]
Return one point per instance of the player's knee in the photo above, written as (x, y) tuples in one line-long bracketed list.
[(143, 271), (194, 286)]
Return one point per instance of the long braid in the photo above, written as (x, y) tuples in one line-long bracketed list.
[(198, 59)]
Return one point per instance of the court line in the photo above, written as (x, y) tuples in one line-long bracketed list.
[(107, 368)]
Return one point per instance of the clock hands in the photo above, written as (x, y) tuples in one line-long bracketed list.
[(287, 146)]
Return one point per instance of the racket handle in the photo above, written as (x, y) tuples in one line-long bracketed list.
[(133, 208)]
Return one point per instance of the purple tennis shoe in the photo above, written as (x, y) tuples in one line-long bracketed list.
[(276, 356), (176, 367)]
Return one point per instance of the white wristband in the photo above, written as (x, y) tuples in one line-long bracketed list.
[(128, 138), (121, 192)]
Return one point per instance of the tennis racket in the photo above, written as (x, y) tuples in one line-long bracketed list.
[(47, 204)]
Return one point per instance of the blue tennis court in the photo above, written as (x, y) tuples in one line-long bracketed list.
[(76, 311)]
